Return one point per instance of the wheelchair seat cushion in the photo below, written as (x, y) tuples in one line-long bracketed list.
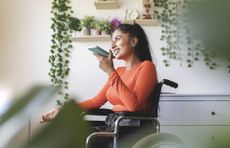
[(111, 118)]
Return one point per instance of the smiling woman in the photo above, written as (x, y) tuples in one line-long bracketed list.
[(128, 88)]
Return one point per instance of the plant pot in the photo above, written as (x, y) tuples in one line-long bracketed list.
[(94, 32), (104, 32), (76, 33), (84, 31)]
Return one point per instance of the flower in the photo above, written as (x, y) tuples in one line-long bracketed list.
[(115, 22)]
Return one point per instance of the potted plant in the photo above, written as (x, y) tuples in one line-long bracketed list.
[(105, 27), (95, 28), (86, 23), (115, 22), (74, 25)]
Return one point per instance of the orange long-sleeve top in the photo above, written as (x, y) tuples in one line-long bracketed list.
[(127, 90)]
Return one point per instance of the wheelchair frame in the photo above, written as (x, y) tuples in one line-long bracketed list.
[(130, 115)]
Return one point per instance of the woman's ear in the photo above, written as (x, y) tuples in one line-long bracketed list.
[(134, 41)]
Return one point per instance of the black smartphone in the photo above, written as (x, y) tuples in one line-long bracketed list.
[(98, 50)]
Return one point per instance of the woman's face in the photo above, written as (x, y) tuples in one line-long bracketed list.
[(121, 45)]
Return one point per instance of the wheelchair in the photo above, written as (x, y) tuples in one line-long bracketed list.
[(148, 123)]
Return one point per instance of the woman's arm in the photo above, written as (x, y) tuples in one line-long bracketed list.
[(97, 101), (93, 103), (106, 64), (119, 108)]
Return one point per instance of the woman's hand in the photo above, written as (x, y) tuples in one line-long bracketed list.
[(106, 64), (50, 115)]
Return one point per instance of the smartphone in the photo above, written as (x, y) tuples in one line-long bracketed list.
[(98, 50)]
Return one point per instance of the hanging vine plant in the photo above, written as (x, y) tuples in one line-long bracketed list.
[(59, 58), (181, 44)]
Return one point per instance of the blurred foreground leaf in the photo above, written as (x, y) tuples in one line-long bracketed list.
[(67, 130), (210, 22), (34, 99)]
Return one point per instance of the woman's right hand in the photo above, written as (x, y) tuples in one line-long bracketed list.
[(106, 64), (50, 115)]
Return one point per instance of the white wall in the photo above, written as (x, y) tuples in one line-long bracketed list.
[(25, 43)]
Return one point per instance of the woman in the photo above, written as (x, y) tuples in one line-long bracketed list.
[(128, 88)]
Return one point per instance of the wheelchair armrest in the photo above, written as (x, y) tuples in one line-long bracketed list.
[(142, 116), (99, 112)]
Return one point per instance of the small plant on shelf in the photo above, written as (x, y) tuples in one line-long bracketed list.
[(74, 24), (115, 22), (105, 27), (95, 28), (86, 23)]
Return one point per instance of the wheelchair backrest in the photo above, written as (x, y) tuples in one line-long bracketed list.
[(155, 96)]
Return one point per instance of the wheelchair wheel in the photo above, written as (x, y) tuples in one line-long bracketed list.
[(161, 140)]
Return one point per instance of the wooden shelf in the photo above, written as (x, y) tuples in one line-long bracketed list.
[(106, 4), (143, 22), (92, 38)]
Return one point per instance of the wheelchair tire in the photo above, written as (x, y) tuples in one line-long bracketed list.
[(160, 140)]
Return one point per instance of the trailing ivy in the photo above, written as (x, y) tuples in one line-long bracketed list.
[(176, 32), (59, 58)]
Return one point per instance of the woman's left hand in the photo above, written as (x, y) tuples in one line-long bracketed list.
[(106, 64)]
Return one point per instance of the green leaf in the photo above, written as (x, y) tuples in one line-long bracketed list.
[(211, 67), (189, 65), (68, 122)]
